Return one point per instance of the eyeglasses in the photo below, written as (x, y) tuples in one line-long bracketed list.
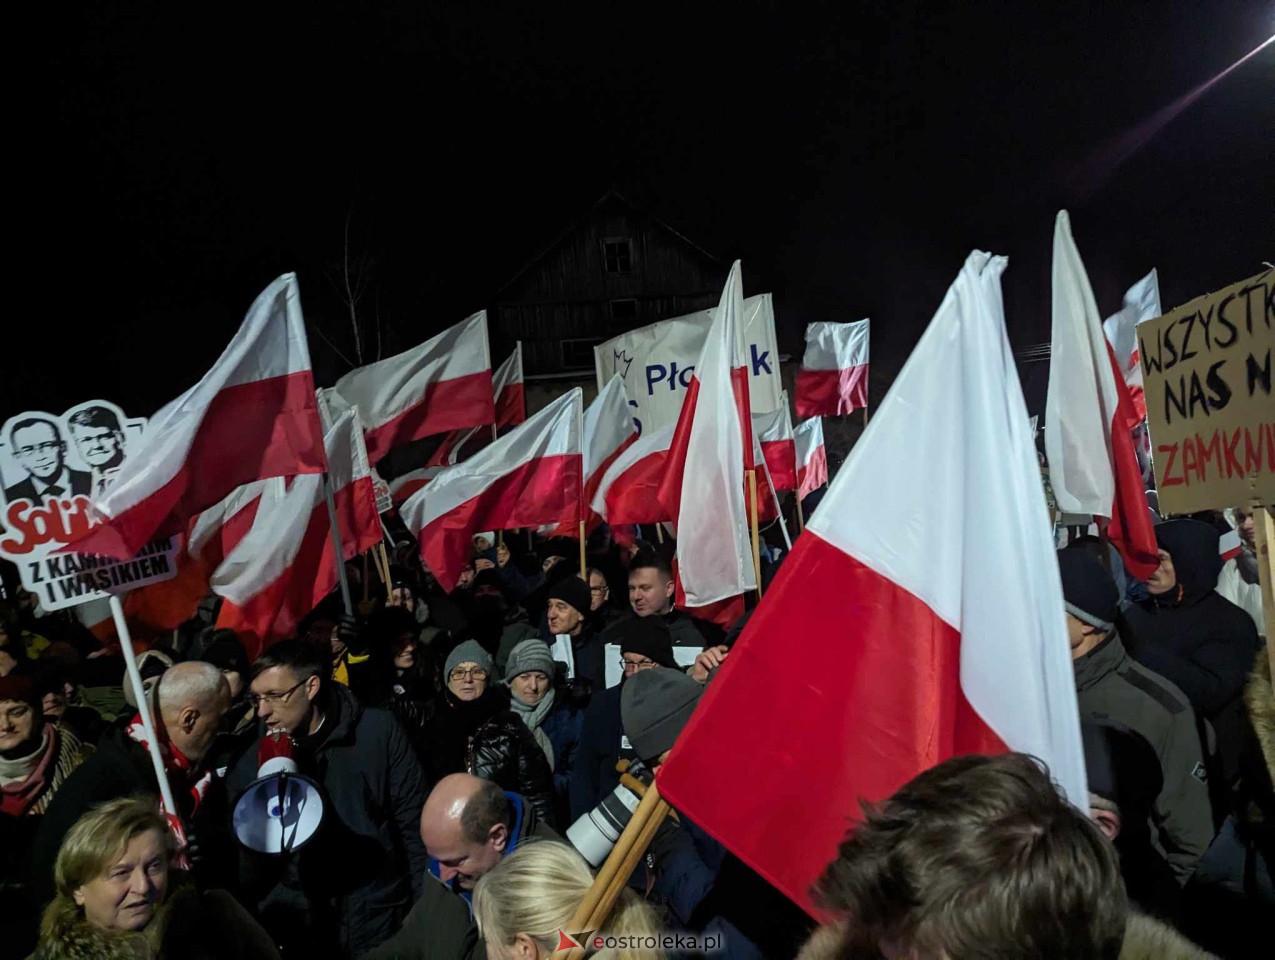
[(601, 589), (643, 664), (478, 673), (257, 699), (47, 447)]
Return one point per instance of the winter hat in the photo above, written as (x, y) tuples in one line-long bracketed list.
[(648, 636), (573, 591), (21, 688), (470, 651), (151, 665), (488, 578), (227, 653), (1089, 593), (1193, 545), (655, 706), (532, 654)]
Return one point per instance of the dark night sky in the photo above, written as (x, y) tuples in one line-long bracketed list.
[(174, 161)]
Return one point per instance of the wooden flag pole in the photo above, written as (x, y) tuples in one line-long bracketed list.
[(1264, 527), (659, 532), (385, 562), (584, 564), (865, 414), (801, 514), (752, 501)]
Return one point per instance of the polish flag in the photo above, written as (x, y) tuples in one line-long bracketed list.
[(911, 623), (812, 456), (628, 491), (608, 432), (1141, 302), (252, 416), (444, 384), (703, 488), (833, 379), (1089, 417), (403, 487), (530, 476), (1229, 545), (778, 447), (507, 384), (285, 565)]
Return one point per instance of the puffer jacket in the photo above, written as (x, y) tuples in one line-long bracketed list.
[(484, 737)]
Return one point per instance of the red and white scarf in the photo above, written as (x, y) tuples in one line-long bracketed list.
[(180, 772)]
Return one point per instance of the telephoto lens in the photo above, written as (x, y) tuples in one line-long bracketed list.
[(595, 834)]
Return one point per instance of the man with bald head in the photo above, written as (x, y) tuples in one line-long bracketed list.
[(186, 706), (468, 826)]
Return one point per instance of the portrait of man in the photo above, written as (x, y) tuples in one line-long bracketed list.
[(99, 439), (38, 447)]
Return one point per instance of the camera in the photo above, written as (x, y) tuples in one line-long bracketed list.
[(596, 833)]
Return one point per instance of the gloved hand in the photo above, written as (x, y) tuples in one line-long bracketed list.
[(347, 629)]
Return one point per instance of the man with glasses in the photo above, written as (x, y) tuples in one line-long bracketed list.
[(37, 444), (348, 889), (646, 644)]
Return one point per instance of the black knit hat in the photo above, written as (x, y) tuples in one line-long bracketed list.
[(1089, 592), (574, 591), (647, 636), (227, 653)]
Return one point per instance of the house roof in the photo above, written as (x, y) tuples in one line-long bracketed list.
[(611, 194)]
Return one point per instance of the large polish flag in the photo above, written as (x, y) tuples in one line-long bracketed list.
[(1089, 417), (529, 477), (508, 386), (812, 456), (703, 488), (911, 623), (401, 488), (286, 563), (252, 416), (778, 447), (628, 493), (833, 378), (1141, 302), (608, 432), (443, 384)]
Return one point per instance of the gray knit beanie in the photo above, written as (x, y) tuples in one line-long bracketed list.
[(529, 655), (655, 706), (471, 651)]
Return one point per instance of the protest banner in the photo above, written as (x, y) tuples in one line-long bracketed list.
[(47, 486), (657, 362), (1207, 375)]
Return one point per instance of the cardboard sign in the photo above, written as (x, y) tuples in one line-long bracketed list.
[(657, 361), (50, 468), (1206, 368)]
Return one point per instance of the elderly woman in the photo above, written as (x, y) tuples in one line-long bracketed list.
[(469, 728), (549, 712), (119, 897), (525, 902)]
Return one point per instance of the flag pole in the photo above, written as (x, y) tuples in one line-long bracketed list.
[(143, 706), (801, 514), (865, 413), (779, 511), (500, 534), (339, 558), (752, 498), (1264, 527), (659, 532), (584, 566)]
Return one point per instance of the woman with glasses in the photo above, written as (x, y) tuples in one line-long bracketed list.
[(470, 728)]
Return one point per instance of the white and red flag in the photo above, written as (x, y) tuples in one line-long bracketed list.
[(774, 432), (443, 384), (703, 489), (507, 384), (1089, 417), (1141, 302), (628, 492), (833, 379), (286, 563), (608, 432), (401, 488), (252, 416), (912, 622), (530, 476), (812, 456)]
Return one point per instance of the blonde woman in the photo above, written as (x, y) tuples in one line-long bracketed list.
[(118, 897), (525, 903)]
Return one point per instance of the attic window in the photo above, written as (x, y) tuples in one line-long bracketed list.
[(617, 255)]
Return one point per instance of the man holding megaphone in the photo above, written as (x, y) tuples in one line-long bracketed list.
[(339, 883)]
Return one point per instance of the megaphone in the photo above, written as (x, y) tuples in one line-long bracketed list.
[(281, 810)]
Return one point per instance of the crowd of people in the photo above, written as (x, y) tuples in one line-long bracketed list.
[(455, 737)]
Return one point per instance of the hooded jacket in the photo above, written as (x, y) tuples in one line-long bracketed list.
[(1191, 635), (1111, 683), (347, 889)]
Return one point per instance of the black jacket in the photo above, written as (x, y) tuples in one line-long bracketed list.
[(484, 737), (349, 888), (602, 745), (120, 767)]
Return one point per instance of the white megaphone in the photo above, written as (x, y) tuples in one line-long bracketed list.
[(281, 810)]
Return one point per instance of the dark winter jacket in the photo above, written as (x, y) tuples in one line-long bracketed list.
[(587, 650), (602, 745), (1192, 636), (684, 629), (1109, 682), (121, 767), (484, 737), (349, 888)]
